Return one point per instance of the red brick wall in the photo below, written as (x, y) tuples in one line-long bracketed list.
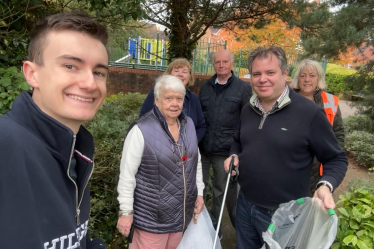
[(135, 80)]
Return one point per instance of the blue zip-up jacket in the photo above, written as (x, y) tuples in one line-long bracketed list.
[(41, 206), (191, 108)]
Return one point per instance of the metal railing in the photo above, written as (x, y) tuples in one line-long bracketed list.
[(202, 63)]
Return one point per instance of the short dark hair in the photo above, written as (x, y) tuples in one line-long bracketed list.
[(263, 52), (74, 21)]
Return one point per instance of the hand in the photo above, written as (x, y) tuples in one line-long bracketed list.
[(227, 164), (124, 224), (199, 207), (323, 192)]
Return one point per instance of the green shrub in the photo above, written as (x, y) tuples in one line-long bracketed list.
[(12, 82), (109, 128), (334, 78), (358, 123), (360, 145), (356, 220)]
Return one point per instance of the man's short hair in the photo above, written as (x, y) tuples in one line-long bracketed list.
[(231, 55), (72, 21), (263, 52)]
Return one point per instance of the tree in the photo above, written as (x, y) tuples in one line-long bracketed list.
[(16, 19), (187, 21), (276, 32), (351, 26), (363, 83)]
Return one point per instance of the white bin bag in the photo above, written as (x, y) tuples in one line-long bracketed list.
[(200, 235), (301, 224)]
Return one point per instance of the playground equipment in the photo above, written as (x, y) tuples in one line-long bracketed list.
[(150, 50)]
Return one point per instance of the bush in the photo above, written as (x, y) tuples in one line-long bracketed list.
[(360, 145), (356, 220), (12, 82), (334, 78), (358, 123), (109, 128)]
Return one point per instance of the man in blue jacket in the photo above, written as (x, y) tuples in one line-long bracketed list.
[(222, 98), (46, 154), (280, 133)]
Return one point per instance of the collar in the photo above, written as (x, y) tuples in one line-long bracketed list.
[(282, 100), (57, 137), (182, 118), (217, 81)]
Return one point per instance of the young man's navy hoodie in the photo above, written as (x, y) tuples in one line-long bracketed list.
[(44, 174)]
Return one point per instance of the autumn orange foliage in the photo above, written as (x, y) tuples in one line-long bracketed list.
[(275, 33)]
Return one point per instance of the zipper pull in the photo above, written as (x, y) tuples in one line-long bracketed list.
[(77, 217)]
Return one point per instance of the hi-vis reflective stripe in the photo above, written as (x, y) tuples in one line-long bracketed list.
[(330, 104)]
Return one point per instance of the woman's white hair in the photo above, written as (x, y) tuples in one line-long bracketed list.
[(168, 82), (309, 65)]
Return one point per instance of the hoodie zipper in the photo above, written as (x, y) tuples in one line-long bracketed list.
[(75, 184), (78, 203)]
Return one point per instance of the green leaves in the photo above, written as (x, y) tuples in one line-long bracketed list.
[(334, 78), (360, 145), (350, 239), (356, 222), (363, 245), (109, 128), (5, 81), (343, 211), (12, 82)]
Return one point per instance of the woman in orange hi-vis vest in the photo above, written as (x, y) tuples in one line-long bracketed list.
[(309, 81)]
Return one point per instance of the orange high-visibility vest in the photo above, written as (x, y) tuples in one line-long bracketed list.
[(330, 104)]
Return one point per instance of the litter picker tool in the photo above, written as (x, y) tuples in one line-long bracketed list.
[(223, 201)]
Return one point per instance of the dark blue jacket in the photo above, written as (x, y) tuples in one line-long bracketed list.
[(276, 152), (222, 113), (40, 205), (191, 108)]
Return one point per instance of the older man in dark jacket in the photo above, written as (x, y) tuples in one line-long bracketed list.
[(222, 99)]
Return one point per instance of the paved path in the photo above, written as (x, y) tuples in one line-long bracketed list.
[(346, 109), (229, 237)]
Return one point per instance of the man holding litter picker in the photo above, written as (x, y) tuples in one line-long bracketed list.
[(280, 133)]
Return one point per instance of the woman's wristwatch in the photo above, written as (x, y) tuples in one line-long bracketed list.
[(122, 213)]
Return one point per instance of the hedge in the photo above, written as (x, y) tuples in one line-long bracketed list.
[(109, 128), (334, 78)]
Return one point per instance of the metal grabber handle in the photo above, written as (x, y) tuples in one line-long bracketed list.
[(223, 202)]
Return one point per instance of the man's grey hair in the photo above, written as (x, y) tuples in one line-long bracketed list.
[(231, 55), (263, 52), (168, 82), (309, 65)]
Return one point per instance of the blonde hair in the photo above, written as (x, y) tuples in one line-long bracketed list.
[(309, 65), (178, 63)]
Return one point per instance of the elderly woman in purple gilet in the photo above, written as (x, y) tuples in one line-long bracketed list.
[(160, 186)]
